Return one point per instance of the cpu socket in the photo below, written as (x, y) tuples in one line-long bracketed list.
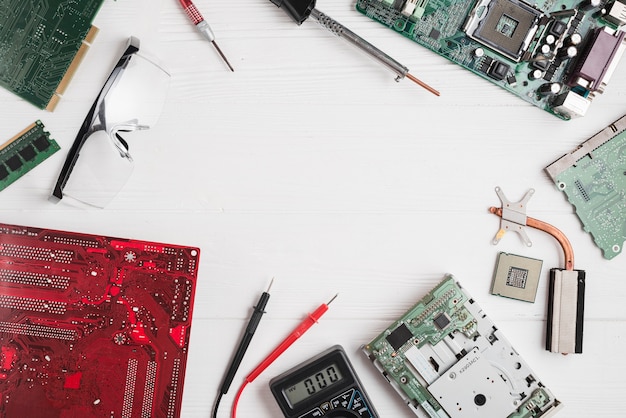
[(506, 26)]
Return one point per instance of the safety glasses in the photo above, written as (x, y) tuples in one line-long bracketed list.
[(100, 161)]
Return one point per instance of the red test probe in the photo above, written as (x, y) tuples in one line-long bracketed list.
[(304, 326)]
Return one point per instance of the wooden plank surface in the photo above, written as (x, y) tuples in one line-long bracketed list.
[(312, 165)]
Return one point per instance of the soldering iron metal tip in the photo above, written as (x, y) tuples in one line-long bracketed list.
[(422, 84), (219, 51)]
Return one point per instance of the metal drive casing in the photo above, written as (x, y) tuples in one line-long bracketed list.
[(447, 359), (566, 305)]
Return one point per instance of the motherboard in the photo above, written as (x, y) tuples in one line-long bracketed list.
[(41, 45), (93, 326), (555, 54), (447, 359), (593, 178)]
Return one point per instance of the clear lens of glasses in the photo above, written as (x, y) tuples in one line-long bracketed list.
[(100, 171), (105, 162)]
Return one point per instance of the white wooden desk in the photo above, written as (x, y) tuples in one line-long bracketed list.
[(311, 164)]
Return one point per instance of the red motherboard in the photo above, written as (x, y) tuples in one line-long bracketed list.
[(92, 326)]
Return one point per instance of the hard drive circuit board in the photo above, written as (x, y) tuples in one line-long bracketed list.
[(92, 326), (593, 178), (447, 359), (556, 54)]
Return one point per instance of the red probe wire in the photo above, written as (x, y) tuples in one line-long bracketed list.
[(304, 326)]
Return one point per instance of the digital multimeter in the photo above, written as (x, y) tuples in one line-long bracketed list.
[(324, 386)]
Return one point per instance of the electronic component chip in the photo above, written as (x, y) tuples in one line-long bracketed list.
[(442, 320), (593, 179), (576, 45), (42, 44), (498, 70), (516, 277), (93, 326), (24, 152), (399, 337), (557, 28), (454, 365)]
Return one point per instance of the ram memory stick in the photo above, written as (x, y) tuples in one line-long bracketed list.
[(24, 152)]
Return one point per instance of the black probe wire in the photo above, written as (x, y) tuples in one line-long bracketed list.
[(253, 323)]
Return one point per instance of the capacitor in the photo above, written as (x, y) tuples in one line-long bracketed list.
[(550, 39), (574, 40), (549, 89), (587, 5), (536, 74), (479, 52), (568, 52), (545, 49)]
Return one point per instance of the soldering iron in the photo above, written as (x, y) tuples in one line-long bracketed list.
[(300, 10)]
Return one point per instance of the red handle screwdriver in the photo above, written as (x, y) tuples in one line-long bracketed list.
[(203, 27)]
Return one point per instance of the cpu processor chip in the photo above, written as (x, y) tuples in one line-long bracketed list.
[(516, 277)]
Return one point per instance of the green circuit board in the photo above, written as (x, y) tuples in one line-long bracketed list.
[(593, 177), (417, 325), (24, 152), (447, 359), (555, 54), (41, 45)]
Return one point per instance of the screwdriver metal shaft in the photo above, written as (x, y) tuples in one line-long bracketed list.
[(203, 27)]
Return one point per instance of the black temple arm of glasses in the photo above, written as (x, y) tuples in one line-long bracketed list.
[(85, 129)]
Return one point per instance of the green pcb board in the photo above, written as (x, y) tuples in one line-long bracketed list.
[(593, 177), (447, 359), (41, 45), (24, 152), (555, 54)]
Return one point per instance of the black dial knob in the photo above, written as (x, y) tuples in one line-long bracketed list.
[(343, 413)]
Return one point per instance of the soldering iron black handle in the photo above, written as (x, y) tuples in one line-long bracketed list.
[(299, 10), (259, 310)]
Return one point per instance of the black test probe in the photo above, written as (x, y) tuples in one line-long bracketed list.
[(253, 323), (300, 10)]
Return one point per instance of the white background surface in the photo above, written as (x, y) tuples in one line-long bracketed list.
[(311, 164)]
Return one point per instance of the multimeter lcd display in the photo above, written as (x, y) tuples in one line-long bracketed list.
[(325, 385), (316, 382)]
